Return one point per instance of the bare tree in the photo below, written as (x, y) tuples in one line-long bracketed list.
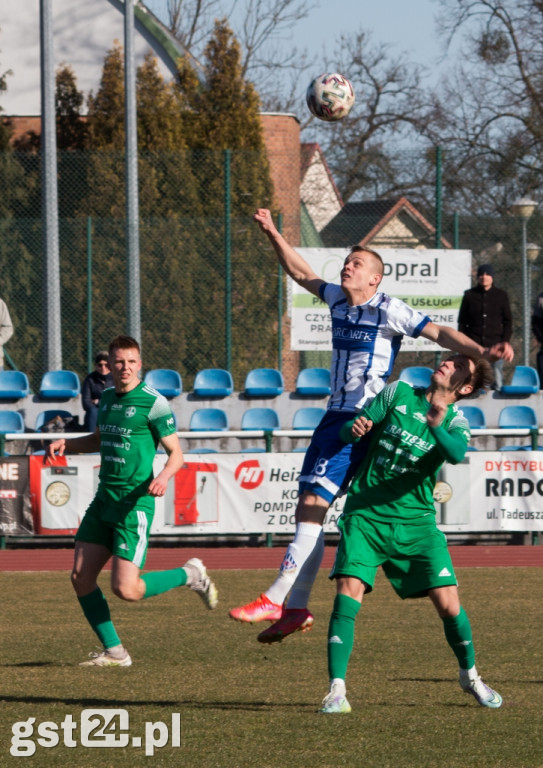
[(263, 29), (368, 151), (492, 107)]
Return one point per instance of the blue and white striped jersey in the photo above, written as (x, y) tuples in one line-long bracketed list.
[(366, 339)]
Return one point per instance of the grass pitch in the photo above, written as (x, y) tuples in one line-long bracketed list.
[(245, 705)]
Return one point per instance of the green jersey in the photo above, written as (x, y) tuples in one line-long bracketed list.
[(130, 425), (396, 480)]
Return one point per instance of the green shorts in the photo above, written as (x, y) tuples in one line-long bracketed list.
[(123, 530), (414, 556)]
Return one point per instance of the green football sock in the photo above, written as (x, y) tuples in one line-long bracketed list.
[(96, 612), (341, 635), (158, 582), (458, 634)]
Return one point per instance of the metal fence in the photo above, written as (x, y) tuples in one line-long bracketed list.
[(212, 293)]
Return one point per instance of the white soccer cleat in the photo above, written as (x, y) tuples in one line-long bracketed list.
[(483, 693), (335, 702), (105, 659), (199, 581)]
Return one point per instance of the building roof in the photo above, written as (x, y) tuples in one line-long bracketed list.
[(386, 223)]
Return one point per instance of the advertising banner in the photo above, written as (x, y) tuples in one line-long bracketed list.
[(244, 493), (15, 511), (432, 281), (506, 492), (236, 493)]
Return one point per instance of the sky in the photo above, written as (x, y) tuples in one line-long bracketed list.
[(407, 26)]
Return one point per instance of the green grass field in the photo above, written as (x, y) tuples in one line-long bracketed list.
[(242, 704)]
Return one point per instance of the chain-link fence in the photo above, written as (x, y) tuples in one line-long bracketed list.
[(211, 292)]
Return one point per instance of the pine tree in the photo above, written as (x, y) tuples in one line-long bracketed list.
[(71, 129)]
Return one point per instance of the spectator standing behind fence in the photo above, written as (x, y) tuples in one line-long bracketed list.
[(92, 389), (485, 316), (537, 330), (6, 330)]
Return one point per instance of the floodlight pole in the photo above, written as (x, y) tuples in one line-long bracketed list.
[(52, 307), (132, 199)]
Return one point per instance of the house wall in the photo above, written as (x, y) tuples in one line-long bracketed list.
[(396, 233), (318, 194)]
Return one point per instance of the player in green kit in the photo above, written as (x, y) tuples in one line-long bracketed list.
[(389, 516), (132, 420)]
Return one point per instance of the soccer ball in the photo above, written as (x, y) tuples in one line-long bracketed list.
[(330, 97)]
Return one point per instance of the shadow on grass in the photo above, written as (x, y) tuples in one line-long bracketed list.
[(251, 706)]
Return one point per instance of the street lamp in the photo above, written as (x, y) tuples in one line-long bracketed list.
[(524, 207), (532, 252)]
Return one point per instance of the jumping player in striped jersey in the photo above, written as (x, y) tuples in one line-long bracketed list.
[(132, 419), (367, 331)]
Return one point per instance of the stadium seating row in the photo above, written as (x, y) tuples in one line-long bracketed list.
[(209, 383), (215, 419), (218, 383), (202, 420)]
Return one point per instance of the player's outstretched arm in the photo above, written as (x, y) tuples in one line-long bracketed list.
[(458, 342), (291, 261)]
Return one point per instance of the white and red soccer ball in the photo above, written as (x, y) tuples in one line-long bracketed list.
[(330, 97)]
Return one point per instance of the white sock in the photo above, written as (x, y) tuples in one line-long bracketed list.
[(299, 597), (116, 652), (300, 548), (339, 684), (467, 675)]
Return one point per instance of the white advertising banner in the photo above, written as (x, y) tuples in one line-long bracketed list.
[(232, 493), (237, 493), (432, 281), (506, 491)]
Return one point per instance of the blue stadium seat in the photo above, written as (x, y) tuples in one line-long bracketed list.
[(474, 415), (13, 384), (213, 382), (165, 380), (57, 385), (517, 417), (307, 418), (416, 375), (11, 421), (45, 416), (313, 382), (264, 382), (525, 381), (260, 418), (208, 420)]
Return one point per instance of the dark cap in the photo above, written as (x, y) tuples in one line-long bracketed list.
[(101, 356), (485, 269)]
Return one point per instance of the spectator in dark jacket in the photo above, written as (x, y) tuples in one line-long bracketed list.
[(485, 316), (537, 330), (92, 389)]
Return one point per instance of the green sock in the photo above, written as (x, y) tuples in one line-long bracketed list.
[(158, 582), (458, 634), (96, 612), (341, 635)]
